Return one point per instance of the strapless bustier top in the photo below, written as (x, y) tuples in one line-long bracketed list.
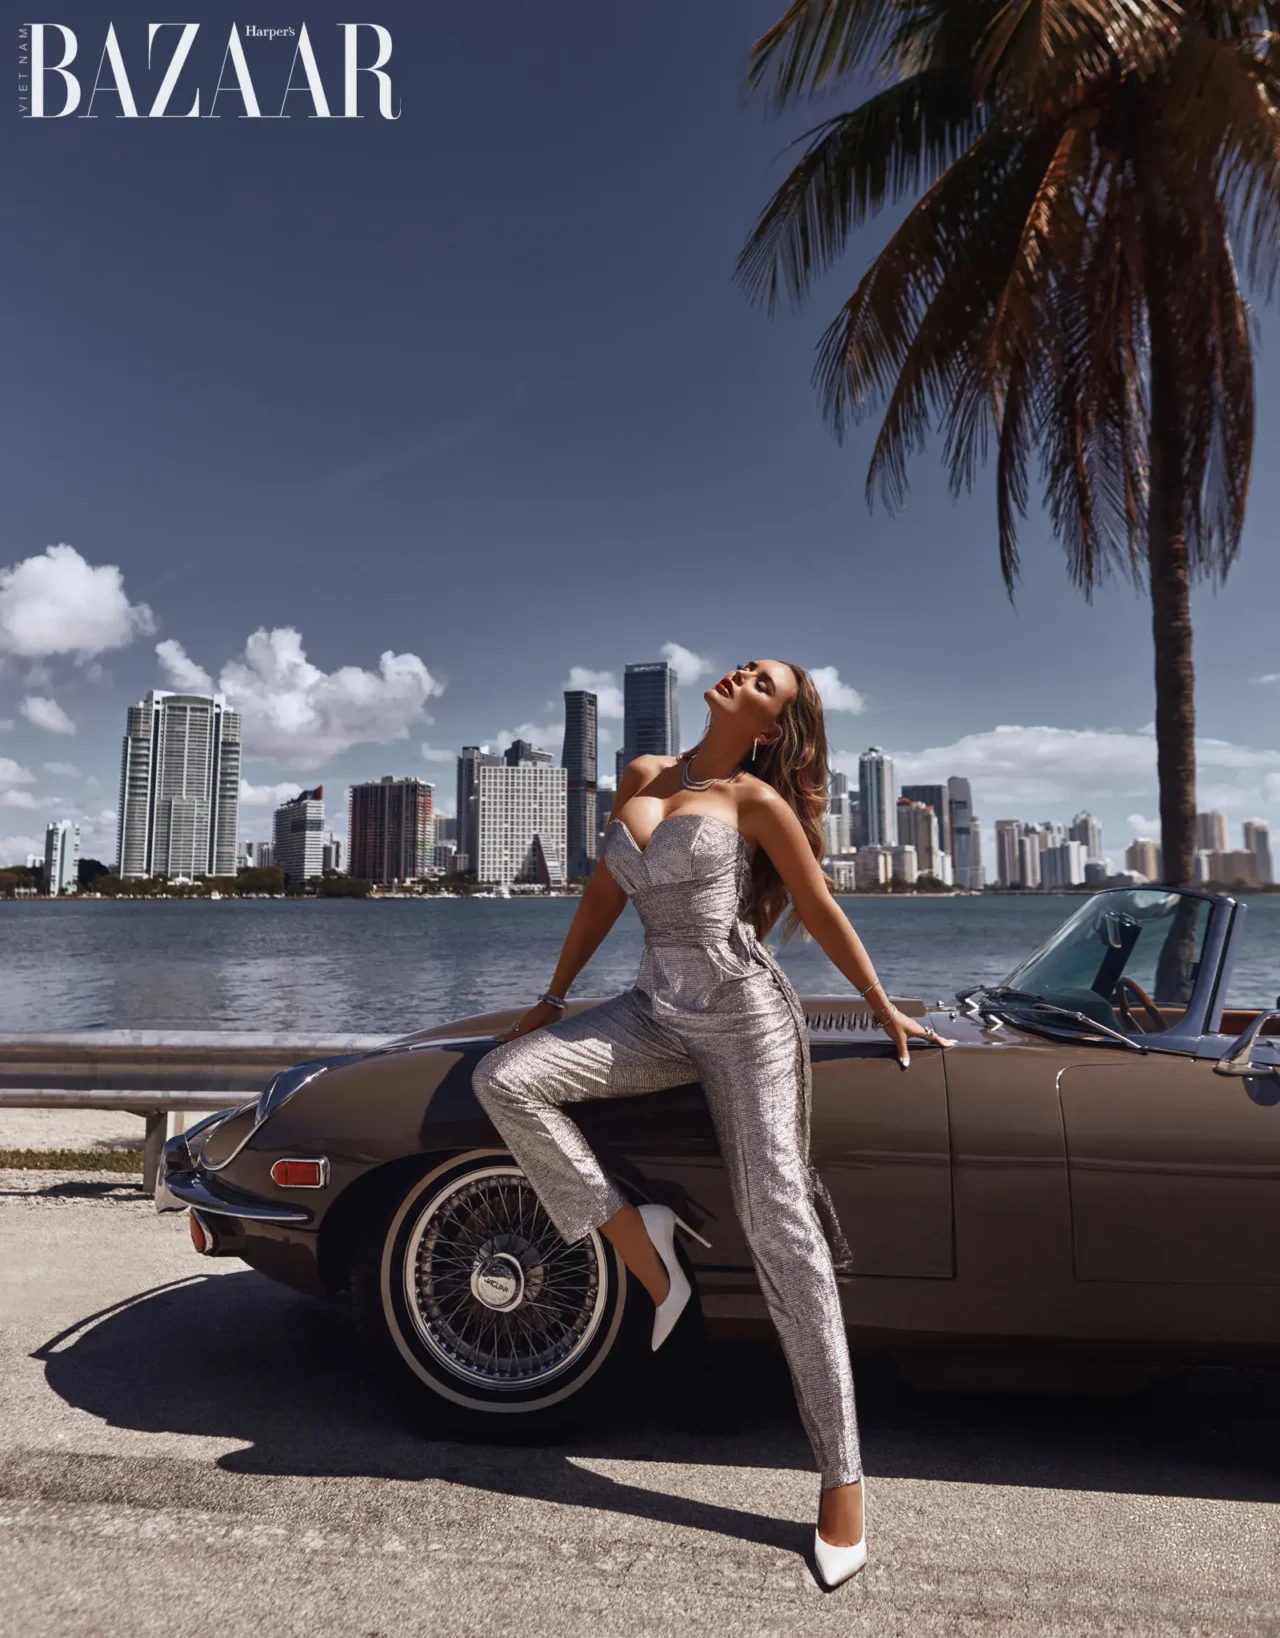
[(689, 886)]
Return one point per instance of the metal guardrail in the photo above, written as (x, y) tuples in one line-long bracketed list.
[(154, 1073)]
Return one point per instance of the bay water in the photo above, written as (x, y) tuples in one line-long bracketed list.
[(320, 966)]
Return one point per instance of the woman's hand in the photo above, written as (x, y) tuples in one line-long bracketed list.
[(900, 1029), (535, 1018)]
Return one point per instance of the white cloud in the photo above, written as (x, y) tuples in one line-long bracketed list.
[(836, 695), (545, 737), (1270, 677), (603, 684), (300, 715), (14, 849), (19, 799), (181, 670), (1142, 826), (47, 714), (433, 753), (57, 603), (1016, 770), (687, 665), (268, 796), (13, 773), (65, 770)]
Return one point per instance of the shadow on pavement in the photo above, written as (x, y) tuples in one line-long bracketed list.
[(235, 1356)]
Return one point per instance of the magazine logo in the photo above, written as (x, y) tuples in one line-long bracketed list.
[(173, 77)]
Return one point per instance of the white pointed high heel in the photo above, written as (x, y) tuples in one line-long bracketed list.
[(661, 1223), (837, 1564)]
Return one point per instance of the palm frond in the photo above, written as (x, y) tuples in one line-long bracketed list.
[(817, 41), (1032, 45), (895, 143)]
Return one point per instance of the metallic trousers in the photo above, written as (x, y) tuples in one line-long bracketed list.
[(745, 1055)]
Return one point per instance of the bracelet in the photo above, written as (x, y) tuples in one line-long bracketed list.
[(875, 984), (553, 1000)]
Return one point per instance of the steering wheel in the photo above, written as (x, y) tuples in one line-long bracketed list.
[(1127, 986)]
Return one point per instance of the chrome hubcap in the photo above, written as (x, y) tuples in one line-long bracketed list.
[(493, 1291), (498, 1282)]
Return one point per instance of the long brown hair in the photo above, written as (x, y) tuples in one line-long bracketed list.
[(796, 766)]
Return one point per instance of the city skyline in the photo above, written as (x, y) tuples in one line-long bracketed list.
[(950, 803)]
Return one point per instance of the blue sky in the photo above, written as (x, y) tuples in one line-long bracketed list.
[(473, 389)]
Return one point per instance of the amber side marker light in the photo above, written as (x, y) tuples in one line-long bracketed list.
[(301, 1174), (201, 1239)]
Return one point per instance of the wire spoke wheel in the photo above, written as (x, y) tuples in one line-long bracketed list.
[(492, 1290)]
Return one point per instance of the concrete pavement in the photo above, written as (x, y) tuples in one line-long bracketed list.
[(187, 1449)]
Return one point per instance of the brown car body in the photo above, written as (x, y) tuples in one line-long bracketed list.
[(1041, 1182)]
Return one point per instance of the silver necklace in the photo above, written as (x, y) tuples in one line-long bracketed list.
[(703, 784)]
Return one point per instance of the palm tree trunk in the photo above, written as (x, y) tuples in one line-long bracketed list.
[(1170, 577)]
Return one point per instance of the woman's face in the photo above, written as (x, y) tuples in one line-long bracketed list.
[(754, 694)]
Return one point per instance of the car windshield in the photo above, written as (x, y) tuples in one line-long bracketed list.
[(1128, 959)]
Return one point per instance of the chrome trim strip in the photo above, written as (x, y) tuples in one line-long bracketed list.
[(192, 1192)]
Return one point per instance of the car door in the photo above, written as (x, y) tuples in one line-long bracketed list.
[(1174, 1169), (882, 1142)]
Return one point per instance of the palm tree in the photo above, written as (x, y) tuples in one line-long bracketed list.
[(1091, 177)]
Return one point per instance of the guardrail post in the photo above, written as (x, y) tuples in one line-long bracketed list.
[(152, 1147)]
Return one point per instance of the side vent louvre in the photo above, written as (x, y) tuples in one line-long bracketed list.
[(837, 1022)]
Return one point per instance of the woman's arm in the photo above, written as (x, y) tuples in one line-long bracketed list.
[(602, 902), (771, 822)]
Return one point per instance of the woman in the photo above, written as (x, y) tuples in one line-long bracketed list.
[(711, 845)]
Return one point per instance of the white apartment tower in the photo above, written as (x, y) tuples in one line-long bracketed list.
[(299, 840), (1257, 840), (522, 823), (877, 798), (1086, 830), (61, 857), (179, 787)]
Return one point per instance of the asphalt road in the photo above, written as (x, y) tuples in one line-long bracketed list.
[(187, 1449)]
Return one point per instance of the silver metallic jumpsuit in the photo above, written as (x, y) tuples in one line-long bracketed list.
[(710, 1004)]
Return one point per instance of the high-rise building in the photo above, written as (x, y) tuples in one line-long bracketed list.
[(521, 751), (298, 843), (651, 718), (523, 824), (1144, 856), (918, 828), (1211, 832), (331, 854), (1063, 865), (446, 825), (1257, 840), (389, 831), (1008, 870), (1233, 869), (877, 798), (1086, 830), (473, 758), (906, 863), (937, 797), (578, 758), (839, 827), (61, 857), (873, 866), (1029, 851), (977, 872), (604, 805), (960, 829), (179, 787)]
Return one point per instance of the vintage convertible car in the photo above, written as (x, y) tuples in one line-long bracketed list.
[(1094, 1167)]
